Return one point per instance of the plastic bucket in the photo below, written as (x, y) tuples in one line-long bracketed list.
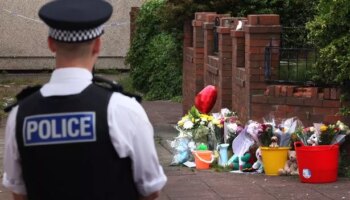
[(317, 164), (274, 159), (203, 159)]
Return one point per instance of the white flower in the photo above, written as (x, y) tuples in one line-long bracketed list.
[(204, 119), (188, 125), (232, 127), (342, 126), (211, 126), (225, 112), (311, 129)]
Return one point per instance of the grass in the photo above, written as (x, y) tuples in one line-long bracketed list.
[(218, 168), (296, 65), (294, 72)]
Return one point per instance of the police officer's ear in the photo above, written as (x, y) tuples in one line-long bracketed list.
[(52, 45), (96, 46)]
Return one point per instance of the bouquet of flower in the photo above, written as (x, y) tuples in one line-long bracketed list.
[(199, 127), (278, 135), (265, 134), (305, 135), (232, 126), (322, 134)]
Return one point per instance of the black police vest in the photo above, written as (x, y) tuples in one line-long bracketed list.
[(65, 149)]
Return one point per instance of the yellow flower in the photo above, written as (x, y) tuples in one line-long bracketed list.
[(204, 117), (217, 123), (323, 128), (210, 118), (181, 122), (184, 118)]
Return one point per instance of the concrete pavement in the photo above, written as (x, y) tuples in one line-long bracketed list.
[(190, 184)]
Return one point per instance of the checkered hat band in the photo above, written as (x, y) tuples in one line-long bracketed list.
[(75, 36)]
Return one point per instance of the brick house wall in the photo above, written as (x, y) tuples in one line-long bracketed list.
[(237, 70)]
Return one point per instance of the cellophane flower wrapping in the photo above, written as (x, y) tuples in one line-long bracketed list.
[(194, 128), (285, 130), (181, 146), (231, 126), (246, 138), (322, 134)]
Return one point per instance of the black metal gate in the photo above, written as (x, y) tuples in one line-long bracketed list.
[(296, 56), (293, 67)]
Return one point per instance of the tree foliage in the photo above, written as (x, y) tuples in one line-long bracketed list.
[(163, 61), (147, 24), (292, 12), (154, 56), (330, 31)]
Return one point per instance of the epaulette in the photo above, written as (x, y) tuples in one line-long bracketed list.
[(22, 95), (114, 86)]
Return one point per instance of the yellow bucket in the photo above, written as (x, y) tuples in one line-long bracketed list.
[(274, 159)]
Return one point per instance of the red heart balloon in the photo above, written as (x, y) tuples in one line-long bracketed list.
[(205, 99)]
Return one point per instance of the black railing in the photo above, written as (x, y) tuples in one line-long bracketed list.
[(292, 67), (216, 35)]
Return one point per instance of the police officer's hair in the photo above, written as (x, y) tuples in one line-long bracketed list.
[(74, 49)]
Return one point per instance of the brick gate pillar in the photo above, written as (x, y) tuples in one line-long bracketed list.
[(225, 63), (261, 31), (240, 94), (193, 74)]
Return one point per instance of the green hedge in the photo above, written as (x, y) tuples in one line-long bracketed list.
[(147, 23), (155, 55), (164, 63), (330, 31)]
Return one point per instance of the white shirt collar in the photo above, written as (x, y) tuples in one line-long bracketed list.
[(70, 74), (67, 81)]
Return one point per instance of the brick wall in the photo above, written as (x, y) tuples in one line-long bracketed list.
[(237, 70), (310, 104)]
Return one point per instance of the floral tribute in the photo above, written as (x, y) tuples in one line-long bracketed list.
[(322, 134), (199, 127), (273, 135), (231, 126), (223, 131)]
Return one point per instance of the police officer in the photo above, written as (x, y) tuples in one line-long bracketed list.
[(73, 139)]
